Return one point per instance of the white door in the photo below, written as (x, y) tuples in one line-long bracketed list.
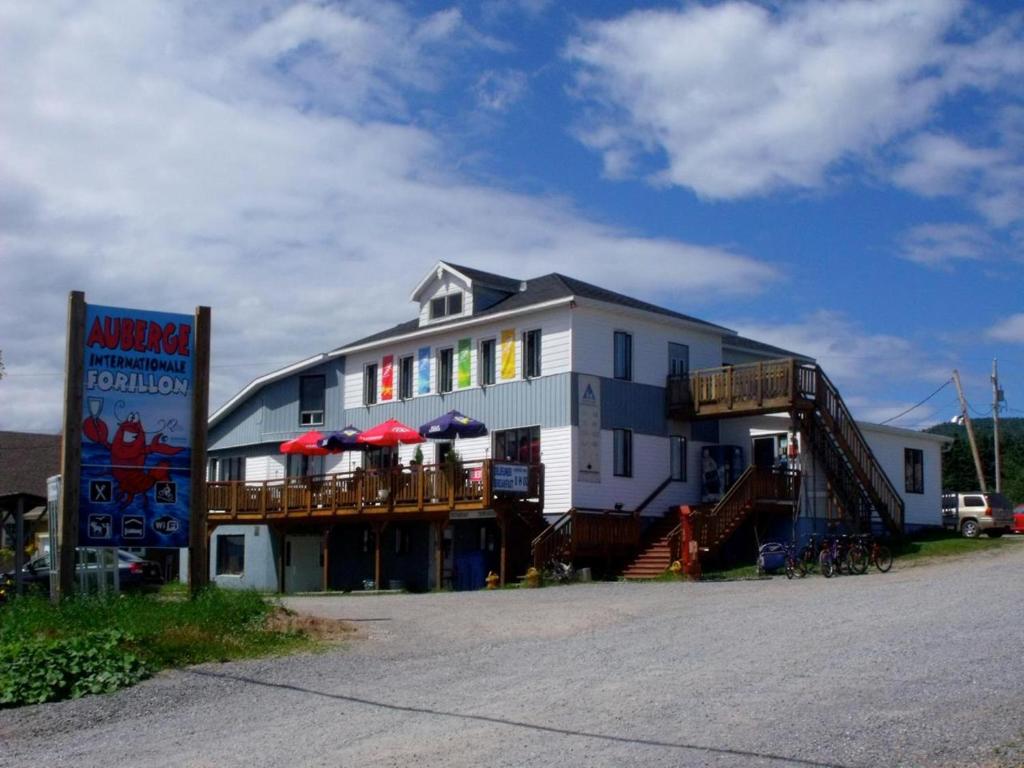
[(302, 568)]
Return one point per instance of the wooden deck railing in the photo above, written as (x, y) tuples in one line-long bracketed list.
[(586, 532), (749, 388), (467, 485)]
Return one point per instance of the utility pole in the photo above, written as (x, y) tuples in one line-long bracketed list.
[(970, 431), (997, 397)]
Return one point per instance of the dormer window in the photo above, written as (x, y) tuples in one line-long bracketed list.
[(446, 306)]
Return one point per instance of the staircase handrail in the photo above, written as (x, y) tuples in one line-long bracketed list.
[(652, 496), (845, 428)]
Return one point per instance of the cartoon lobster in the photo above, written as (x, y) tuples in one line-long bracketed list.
[(128, 453)]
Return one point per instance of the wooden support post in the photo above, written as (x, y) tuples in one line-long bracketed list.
[(199, 555), (503, 529), (439, 553), (325, 582), (378, 533), (19, 546), (71, 450), (282, 543)]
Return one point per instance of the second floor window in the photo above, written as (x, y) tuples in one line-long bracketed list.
[(405, 372), (370, 384), (311, 400), (444, 369), (623, 356), (531, 354), (487, 360)]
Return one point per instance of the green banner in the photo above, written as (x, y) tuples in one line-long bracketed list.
[(464, 363)]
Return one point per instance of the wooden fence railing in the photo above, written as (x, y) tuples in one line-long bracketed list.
[(586, 532), (415, 488)]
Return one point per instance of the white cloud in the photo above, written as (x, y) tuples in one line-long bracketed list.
[(741, 100), (940, 245), (1011, 329), (991, 178), (499, 90), (263, 163)]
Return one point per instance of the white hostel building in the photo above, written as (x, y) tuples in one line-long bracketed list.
[(605, 414)]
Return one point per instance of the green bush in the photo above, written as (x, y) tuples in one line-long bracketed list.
[(98, 643), (38, 670)]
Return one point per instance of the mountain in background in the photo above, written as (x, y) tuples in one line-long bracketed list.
[(958, 467)]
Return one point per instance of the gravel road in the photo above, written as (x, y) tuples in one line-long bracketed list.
[(911, 668)]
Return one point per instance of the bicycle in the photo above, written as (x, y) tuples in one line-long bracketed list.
[(808, 554), (794, 563), (559, 572), (879, 555)]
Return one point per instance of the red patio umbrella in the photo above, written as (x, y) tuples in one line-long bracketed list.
[(307, 444), (389, 434)]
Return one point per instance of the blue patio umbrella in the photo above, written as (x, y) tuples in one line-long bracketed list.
[(345, 440), (453, 424)]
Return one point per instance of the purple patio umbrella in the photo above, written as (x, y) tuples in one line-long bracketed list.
[(453, 424), (345, 440)]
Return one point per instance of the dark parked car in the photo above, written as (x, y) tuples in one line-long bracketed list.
[(134, 572)]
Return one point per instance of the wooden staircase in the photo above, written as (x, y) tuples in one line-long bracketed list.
[(656, 550), (857, 480)]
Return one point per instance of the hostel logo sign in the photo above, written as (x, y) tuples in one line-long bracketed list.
[(136, 452)]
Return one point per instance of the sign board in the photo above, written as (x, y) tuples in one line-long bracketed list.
[(589, 401), (136, 452), (510, 478), (472, 514)]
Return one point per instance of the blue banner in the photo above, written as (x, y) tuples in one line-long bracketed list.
[(423, 371), (136, 434)]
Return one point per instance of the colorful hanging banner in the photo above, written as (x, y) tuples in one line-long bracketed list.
[(508, 354), (387, 378), (423, 371), (465, 379)]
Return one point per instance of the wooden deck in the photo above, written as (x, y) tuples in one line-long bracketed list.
[(424, 492), (742, 390)]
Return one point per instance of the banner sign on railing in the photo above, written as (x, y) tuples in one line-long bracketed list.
[(137, 408), (510, 478)]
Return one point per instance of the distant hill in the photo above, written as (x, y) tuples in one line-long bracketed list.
[(958, 467)]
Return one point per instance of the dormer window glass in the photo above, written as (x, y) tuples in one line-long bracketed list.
[(446, 306)]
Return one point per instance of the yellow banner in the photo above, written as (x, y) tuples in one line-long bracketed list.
[(508, 354)]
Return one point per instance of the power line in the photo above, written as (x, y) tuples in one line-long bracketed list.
[(945, 384)]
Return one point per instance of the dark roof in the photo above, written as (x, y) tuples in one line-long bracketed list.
[(742, 342), (26, 460), (538, 290), (509, 284)]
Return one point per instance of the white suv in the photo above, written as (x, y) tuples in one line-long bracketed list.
[(972, 513)]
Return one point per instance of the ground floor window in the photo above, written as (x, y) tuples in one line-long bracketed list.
[(521, 445), (622, 452), (677, 458), (230, 555), (227, 468), (913, 468)]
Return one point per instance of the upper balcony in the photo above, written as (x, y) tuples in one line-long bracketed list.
[(422, 491), (741, 390)]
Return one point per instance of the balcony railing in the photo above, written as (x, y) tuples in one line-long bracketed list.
[(763, 387), (420, 488)]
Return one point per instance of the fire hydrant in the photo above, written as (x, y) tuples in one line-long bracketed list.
[(532, 577), (492, 580), (676, 567)]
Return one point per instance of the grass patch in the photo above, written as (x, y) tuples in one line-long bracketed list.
[(946, 545), (747, 571), (92, 644)]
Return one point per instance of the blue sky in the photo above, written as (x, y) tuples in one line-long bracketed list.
[(841, 178)]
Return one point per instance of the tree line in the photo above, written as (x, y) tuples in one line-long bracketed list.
[(958, 472)]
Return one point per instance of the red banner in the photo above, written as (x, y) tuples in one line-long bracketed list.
[(387, 383)]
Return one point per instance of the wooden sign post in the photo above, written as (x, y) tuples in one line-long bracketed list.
[(199, 542), (71, 451)]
